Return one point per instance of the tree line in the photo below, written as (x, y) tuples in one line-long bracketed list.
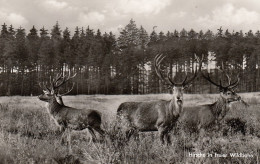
[(123, 64)]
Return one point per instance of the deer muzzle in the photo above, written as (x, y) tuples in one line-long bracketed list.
[(179, 101), (43, 98), (234, 99)]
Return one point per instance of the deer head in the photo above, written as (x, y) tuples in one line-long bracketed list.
[(53, 90), (178, 88), (226, 92)]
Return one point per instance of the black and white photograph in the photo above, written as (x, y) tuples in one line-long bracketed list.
[(130, 82)]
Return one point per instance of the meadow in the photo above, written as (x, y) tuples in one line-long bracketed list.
[(28, 135)]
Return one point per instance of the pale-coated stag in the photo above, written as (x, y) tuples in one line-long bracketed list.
[(68, 118), (159, 115), (199, 119)]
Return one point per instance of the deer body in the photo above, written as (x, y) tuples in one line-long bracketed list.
[(158, 115), (151, 115), (72, 118), (146, 116), (205, 116), (68, 118)]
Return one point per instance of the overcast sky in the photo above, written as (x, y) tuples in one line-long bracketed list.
[(110, 15)]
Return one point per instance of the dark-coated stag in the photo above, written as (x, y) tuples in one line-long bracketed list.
[(157, 115), (202, 118), (68, 118)]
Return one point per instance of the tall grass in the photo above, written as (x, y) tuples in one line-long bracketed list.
[(28, 135)]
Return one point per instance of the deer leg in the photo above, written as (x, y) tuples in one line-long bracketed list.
[(94, 137), (69, 141), (152, 136), (64, 137), (101, 132), (202, 132), (136, 135), (61, 129), (168, 138), (129, 133), (200, 135), (162, 133)]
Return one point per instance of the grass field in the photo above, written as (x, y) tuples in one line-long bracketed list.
[(28, 135)]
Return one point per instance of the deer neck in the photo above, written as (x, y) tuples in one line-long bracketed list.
[(175, 107), (53, 106), (220, 108), (59, 100)]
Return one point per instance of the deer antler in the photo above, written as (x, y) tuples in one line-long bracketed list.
[(196, 71), (68, 91), (157, 61), (209, 79), (233, 85), (44, 87), (56, 84), (229, 86), (223, 70)]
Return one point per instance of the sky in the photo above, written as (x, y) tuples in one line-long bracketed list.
[(113, 15)]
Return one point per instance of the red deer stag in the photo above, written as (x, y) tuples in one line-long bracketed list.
[(157, 115), (68, 118), (200, 118)]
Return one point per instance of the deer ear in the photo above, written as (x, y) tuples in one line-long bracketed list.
[(52, 92), (45, 92), (221, 90), (187, 86), (235, 87)]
